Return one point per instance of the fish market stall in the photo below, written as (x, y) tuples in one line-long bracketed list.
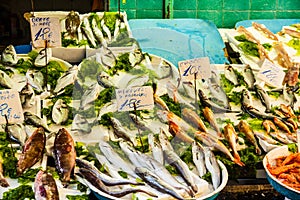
[(90, 132)]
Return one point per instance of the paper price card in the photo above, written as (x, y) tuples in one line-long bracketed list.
[(199, 67), (139, 97), (271, 74), (45, 29), (10, 107)]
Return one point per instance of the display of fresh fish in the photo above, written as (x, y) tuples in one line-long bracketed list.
[(106, 29), (248, 34), (5, 80), (60, 112), (17, 133), (231, 136), (173, 93), (64, 154), (192, 117), (198, 158), (281, 125), (213, 167), (138, 80), (173, 159), (249, 77), (262, 28), (32, 119), (66, 79), (32, 151), (3, 181), (87, 30), (43, 57), (209, 116), (45, 187), (230, 75), (107, 180), (289, 94), (90, 95), (164, 141), (93, 180), (72, 23), (98, 33), (121, 132), (245, 128), (154, 181), (269, 126), (287, 110), (158, 101), (9, 55), (164, 70), (27, 96), (155, 148), (264, 97), (81, 124), (139, 122), (282, 56), (265, 137), (219, 95), (35, 79)]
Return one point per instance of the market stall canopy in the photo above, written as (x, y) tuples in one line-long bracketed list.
[(179, 39)]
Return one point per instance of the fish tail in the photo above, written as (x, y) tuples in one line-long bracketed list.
[(238, 161)]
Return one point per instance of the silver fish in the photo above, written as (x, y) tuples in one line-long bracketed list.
[(5, 80), (9, 55), (32, 119), (117, 28), (213, 167), (121, 132), (164, 141), (87, 30), (219, 94), (90, 95), (136, 57), (155, 148), (174, 160), (72, 23), (66, 79), (27, 96), (230, 75), (289, 94), (249, 77), (81, 124), (106, 29), (60, 112), (177, 97), (17, 131), (138, 80), (198, 158), (98, 33), (107, 57), (35, 79), (104, 80), (154, 181), (164, 70), (43, 57), (264, 97), (265, 137)]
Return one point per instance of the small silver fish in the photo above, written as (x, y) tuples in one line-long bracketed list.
[(98, 33), (230, 75), (249, 77), (198, 158), (89, 96), (264, 97), (121, 132), (27, 96), (17, 131), (35, 79), (213, 167), (106, 29), (138, 80), (5, 80), (9, 56), (60, 112), (104, 80), (117, 28), (107, 57), (87, 30), (155, 148), (136, 57)]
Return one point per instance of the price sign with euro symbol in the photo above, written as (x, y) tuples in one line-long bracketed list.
[(198, 67), (45, 29)]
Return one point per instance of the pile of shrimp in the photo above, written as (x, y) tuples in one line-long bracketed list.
[(287, 170)]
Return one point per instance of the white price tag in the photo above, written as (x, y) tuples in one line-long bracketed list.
[(139, 97), (10, 107), (45, 29), (271, 74), (198, 66)]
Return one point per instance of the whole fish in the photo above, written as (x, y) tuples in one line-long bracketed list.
[(64, 154), (287, 110), (265, 137), (139, 122), (164, 141), (136, 57), (9, 55), (198, 158), (154, 181), (27, 96), (231, 136), (32, 119), (117, 28), (281, 125), (72, 23), (3, 181), (262, 28), (60, 112), (244, 127), (32, 151), (282, 56), (35, 79), (174, 160), (209, 116), (90, 95), (213, 167), (106, 30), (249, 77), (5, 80), (218, 94), (269, 126), (98, 33), (43, 57), (194, 118), (158, 101), (68, 78), (87, 30), (104, 80), (179, 133), (289, 94), (291, 76), (121, 132), (138, 80), (107, 180), (264, 97), (230, 75), (17, 133), (155, 148), (81, 124), (45, 187), (93, 180)]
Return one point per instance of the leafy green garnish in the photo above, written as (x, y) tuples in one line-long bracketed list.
[(295, 43), (19, 193), (293, 147), (122, 64), (7, 156), (78, 197), (28, 176), (173, 106), (226, 84)]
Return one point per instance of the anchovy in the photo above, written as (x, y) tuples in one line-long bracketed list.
[(154, 181), (194, 118), (249, 77), (244, 127), (174, 160), (230, 75), (107, 180), (5, 80), (198, 158), (9, 55), (121, 132), (213, 167), (64, 154), (32, 119), (87, 30), (96, 182), (32, 151), (45, 187), (264, 97)]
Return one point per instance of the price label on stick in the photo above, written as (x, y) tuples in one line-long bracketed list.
[(272, 74), (139, 97), (198, 66), (10, 107), (45, 29)]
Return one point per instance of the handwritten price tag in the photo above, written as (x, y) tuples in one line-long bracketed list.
[(142, 97), (10, 106), (45, 28), (198, 66), (272, 74)]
